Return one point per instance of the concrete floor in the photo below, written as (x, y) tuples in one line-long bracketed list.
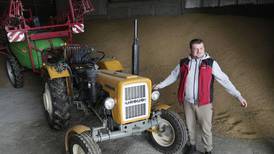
[(24, 129)]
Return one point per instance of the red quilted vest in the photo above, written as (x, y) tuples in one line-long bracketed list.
[(205, 84)]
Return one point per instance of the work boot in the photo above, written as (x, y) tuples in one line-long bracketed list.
[(189, 149), (208, 152)]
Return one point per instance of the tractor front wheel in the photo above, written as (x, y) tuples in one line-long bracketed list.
[(56, 103), (170, 135), (83, 144), (14, 72)]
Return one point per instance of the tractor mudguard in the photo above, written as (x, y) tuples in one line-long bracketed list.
[(110, 64), (78, 129), (54, 74)]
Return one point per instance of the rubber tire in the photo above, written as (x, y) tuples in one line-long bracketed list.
[(16, 71), (85, 141), (180, 134), (60, 117)]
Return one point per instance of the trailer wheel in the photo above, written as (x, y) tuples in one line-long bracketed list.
[(14, 72), (56, 103), (83, 144), (170, 136)]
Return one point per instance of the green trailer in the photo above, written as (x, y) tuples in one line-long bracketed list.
[(21, 51), (19, 59)]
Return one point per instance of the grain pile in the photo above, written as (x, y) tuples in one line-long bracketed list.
[(243, 46)]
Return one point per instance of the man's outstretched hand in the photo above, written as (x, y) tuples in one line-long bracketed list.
[(243, 103), (156, 87)]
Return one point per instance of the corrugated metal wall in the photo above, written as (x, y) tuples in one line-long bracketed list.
[(41, 8), (130, 8), (220, 3)]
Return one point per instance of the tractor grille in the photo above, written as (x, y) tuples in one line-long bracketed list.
[(136, 101), (135, 92), (135, 111)]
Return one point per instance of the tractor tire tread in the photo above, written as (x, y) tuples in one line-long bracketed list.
[(89, 144), (181, 138), (60, 104), (17, 72)]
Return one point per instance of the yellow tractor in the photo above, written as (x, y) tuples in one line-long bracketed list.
[(125, 104)]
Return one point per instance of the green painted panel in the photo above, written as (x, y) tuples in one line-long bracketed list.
[(21, 51)]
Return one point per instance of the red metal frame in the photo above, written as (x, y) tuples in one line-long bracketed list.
[(75, 15)]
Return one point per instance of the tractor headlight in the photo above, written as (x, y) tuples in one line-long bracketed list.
[(155, 95), (109, 103)]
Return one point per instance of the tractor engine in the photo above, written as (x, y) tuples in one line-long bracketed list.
[(82, 61)]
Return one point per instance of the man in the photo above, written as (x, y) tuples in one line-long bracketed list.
[(196, 74)]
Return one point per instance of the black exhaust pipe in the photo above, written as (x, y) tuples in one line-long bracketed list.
[(91, 76), (135, 50)]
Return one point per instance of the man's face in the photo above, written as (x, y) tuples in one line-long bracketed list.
[(197, 50)]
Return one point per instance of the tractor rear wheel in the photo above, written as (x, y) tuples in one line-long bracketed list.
[(83, 144), (170, 135), (14, 72), (56, 103)]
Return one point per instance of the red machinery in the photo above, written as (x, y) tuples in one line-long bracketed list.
[(18, 27)]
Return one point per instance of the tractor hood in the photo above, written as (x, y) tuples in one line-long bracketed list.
[(130, 92)]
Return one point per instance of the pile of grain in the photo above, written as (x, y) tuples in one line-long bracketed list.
[(243, 46)]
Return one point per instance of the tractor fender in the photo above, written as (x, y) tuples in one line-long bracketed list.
[(53, 73), (78, 129), (111, 64), (161, 106)]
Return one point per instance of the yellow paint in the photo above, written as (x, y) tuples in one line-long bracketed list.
[(113, 83), (110, 64), (153, 129), (161, 106), (54, 74), (78, 129)]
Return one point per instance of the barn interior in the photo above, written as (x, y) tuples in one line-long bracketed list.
[(238, 34)]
